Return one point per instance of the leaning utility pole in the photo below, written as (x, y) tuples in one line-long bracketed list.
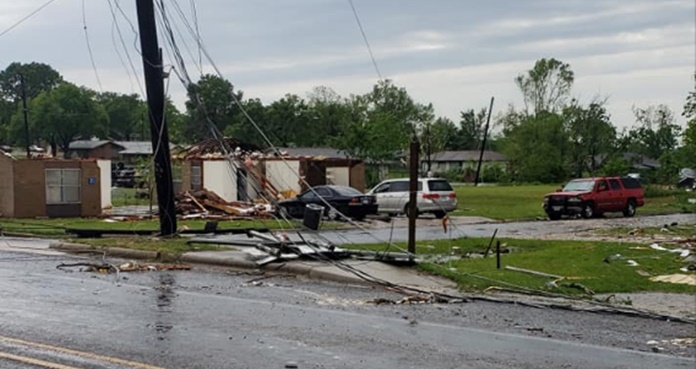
[(26, 114), (483, 143), (412, 210), (154, 84)]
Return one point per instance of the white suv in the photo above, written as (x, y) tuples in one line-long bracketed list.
[(435, 196)]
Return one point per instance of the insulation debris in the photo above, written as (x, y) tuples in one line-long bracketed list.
[(208, 204)]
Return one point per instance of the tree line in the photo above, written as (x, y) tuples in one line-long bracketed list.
[(553, 137)]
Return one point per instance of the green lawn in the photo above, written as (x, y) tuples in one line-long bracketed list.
[(56, 227), (168, 246), (581, 262), (126, 197), (524, 202)]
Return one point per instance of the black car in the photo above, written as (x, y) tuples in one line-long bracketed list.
[(346, 200)]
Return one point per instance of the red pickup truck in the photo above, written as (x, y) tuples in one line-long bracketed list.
[(592, 197)]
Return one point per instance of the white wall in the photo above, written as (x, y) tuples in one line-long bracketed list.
[(220, 177), (284, 175), (339, 176), (105, 182)]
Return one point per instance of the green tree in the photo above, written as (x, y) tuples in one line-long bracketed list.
[(472, 126), (536, 149), (328, 112), (242, 129), (127, 115), (591, 134), (288, 122), (655, 133), (546, 86), (210, 101), (66, 113)]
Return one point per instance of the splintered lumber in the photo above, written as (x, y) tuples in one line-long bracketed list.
[(533, 272)]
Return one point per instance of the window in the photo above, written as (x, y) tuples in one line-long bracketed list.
[(579, 185), (383, 188), (602, 186), (323, 192), (439, 185), (196, 176), (62, 186), (308, 196), (614, 184), (403, 186)]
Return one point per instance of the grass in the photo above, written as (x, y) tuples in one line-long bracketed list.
[(582, 262), (169, 246), (683, 231), (55, 227), (126, 197), (524, 202)]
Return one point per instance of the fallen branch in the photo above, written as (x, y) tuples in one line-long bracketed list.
[(533, 272)]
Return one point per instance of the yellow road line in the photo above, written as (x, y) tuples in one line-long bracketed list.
[(88, 355), (35, 362)]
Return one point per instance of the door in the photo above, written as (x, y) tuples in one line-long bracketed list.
[(382, 196), (399, 195), (603, 196), (618, 196)]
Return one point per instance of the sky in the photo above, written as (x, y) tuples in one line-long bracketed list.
[(455, 54)]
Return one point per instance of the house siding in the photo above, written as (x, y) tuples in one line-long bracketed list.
[(6, 186), (29, 189)]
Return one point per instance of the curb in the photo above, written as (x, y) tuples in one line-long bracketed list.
[(311, 272)]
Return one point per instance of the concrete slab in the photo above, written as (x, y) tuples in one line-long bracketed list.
[(29, 245)]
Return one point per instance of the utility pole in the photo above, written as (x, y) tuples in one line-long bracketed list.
[(154, 84), (25, 111), (412, 195), (483, 143)]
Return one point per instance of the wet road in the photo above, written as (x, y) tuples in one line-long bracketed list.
[(216, 319), (532, 229)]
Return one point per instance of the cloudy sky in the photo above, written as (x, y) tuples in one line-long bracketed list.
[(453, 53)]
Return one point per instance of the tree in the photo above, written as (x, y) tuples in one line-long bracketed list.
[(329, 113), (210, 101), (288, 122), (655, 133), (242, 129), (128, 117), (536, 149), (64, 114), (38, 77), (546, 86), (591, 134), (472, 127)]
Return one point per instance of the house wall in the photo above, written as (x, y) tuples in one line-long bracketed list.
[(29, 189), (105, 183), (6, 187), (284, 174), (186, 176), (357, 177), (220, 177), (339, 176), (91, 189), (107, 151)]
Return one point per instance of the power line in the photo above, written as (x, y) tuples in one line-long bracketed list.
[(367, 43), (10, 28), (89, 46)]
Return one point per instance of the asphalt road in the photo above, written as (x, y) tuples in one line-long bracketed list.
[(217, 319)]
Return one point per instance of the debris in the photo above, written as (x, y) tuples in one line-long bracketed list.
[(657, 349), (535, 329), (533, 272), (207, 204), (636, 232), (657, 247), (631, 263), (611, 258), (579, 287), (106, 268), (643, 273), (676, 278)]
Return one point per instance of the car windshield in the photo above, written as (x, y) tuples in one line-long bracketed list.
[(347, 191), (586, 185)]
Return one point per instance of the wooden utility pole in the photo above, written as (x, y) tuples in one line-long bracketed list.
[(412, 194), (154, 84), (483, 143), (25, 111)]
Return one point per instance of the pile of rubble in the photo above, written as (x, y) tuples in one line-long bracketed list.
[(209, 205)]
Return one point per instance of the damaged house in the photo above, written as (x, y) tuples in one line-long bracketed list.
[(245, 173), (53, 188)]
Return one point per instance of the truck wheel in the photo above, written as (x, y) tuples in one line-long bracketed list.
[(630, 209), (554, 216), (588, 211)]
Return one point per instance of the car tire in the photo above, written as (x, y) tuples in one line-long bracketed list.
[(554, 216), (440, 214), (588, 211), (630, 209)]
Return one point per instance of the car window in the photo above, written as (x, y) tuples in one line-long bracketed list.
[(382, 188), (347, 191), (580, 185), (324, 192), (602, 186), (630, 183), (439, 185), (308, 196), (403, 186), (614, 184)]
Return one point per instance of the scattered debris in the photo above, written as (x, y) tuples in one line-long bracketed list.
[(422, 298), (533, 272), (681, 342), (611, 258), (208, 204), (676, 278), (643, 273), (636, 232), (632, 263), (106, 268), (578, 286)]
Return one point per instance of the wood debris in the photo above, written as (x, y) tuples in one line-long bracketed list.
[(207, 204)]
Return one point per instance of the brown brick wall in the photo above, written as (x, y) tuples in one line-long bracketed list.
[(357, 177), (6, 187), (90, 193), (186, 176), (29, 188)]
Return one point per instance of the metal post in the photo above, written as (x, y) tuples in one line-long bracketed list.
[(413, 191), (25, 111), (483, 143), (154, 83), (497, 254)]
